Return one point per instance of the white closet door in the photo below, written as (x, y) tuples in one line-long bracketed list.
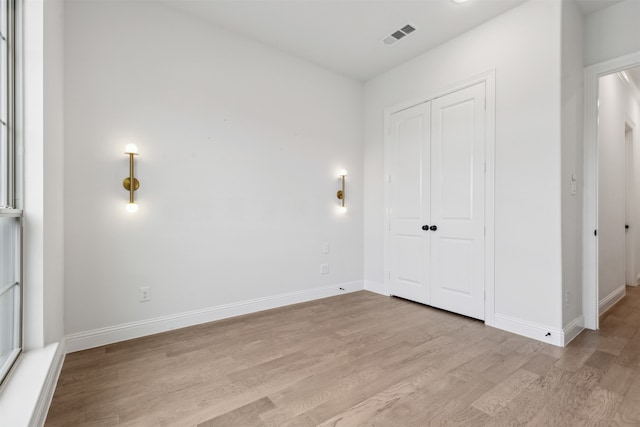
[(457, 201), (409, 203)]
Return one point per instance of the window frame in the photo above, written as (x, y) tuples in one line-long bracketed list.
[(13, 201), (7, 366)]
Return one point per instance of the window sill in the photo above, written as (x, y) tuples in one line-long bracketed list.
[(25, 398)]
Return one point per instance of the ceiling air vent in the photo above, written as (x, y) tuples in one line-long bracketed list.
[(399, 34)]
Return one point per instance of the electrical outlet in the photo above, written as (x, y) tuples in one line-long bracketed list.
[(145, 294), (324, 268)]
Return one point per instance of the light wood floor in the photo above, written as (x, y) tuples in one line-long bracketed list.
[(357, 359)]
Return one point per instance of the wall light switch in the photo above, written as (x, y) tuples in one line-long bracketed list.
[(324, 268), (325, 248)]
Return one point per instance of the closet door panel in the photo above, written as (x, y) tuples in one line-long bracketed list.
[(409, 197), (457, 201)]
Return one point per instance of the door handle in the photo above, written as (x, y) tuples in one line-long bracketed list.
[(433, 227), (425, 227), (626, 227)]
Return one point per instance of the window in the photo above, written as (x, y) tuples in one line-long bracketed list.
[(10, 212)]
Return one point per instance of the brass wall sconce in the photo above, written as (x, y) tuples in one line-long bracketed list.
[(131, 150), (341, 193)]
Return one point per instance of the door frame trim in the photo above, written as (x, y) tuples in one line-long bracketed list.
[(629, 208), (488, 78), (592, 74)]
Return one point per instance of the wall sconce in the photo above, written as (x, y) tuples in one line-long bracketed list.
[(341, 193), (131, 150)]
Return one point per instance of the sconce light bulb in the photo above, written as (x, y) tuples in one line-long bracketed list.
[(342, 172), (132, 207), (130, 149), (342, 209)]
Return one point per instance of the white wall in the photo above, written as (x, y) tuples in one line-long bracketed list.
[(53, 171), (615, 106), (612, 32), (240, 145), (523, 45), (572, 111)]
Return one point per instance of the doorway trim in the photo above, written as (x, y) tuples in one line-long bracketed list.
[(630, 208), (592, 75), (488, 78)]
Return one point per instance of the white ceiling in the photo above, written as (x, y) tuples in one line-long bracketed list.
[(345, 35)]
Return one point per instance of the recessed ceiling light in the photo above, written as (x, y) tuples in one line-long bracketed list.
[(459, 1)]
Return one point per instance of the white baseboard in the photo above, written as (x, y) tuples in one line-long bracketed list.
[(529, 329), (376, 287), (109, 335), (573, 329), (610, 300), (46, 395)]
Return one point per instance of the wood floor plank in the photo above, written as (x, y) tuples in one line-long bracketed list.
[(247, 415), (501, 394), (630, 354), (605, 342), (600, 360), (469, 416), (527, 404), (621, 420), (359, 359), (412, 410), (574, 357), (507, 365), (600, 407), (477, 366), (568, 400), (630, 406), (377, 403), (540, 364), (457, 409), (618, 379)]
